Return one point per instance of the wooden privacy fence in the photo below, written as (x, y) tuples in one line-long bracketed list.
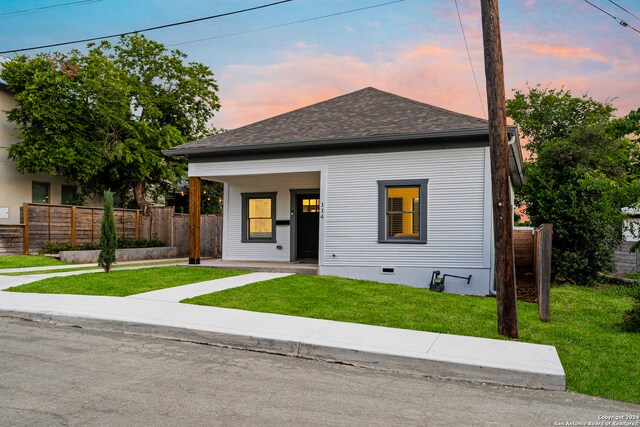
[(627, 261), (210, 235), (532, 249), (542, 264), (11, 237), (75, 224), (78, 225)]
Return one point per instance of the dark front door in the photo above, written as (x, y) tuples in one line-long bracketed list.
[(307, 225)]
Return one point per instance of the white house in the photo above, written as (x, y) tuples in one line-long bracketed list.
[(369, 185)]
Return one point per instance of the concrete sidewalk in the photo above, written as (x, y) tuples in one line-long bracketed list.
[(155, 263), (178, 293), (432, 354)]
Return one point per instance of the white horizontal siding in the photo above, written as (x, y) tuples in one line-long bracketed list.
[(456, 205), (455, 212), (235, 249)]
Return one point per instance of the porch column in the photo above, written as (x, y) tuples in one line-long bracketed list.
[(194, 220)]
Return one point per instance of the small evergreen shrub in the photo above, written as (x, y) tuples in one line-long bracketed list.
[(108, 237)]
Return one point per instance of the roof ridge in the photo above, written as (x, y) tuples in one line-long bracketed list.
[(424, 104)]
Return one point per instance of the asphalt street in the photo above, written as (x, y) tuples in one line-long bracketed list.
[(56, 375)]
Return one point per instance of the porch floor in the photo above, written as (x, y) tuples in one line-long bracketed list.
[(268, 266)]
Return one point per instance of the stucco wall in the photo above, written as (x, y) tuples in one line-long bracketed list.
[(15, 188)]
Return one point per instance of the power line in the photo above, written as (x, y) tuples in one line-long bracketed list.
[(635, 16), (470, 62), (618, 20), (285, 24), (54, 6), (235, 12)]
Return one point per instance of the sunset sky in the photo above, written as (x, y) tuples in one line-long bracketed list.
[(413, 48)]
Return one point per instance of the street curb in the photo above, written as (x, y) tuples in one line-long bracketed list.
[(309, 350)]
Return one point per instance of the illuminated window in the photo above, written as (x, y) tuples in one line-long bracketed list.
[(310, 205), (402, 213), (259, 217)]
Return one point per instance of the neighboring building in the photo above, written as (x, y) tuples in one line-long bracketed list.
[(626, 261), (369, 185), (15, 188), (631, 228)]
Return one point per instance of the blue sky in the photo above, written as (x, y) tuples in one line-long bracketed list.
[(413, 47)]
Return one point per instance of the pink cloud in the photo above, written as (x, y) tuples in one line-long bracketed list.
[(432, 74), (565, 52), (422, 51), (433, 70)]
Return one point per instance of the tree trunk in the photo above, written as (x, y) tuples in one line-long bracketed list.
[(138, 193)]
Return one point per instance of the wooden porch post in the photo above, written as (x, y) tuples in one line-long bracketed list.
[(194, 220)]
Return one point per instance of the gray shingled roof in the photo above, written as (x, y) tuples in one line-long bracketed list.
[(365, 113)]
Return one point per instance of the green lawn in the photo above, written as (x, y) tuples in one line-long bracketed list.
[(599, 359), (115, 266), (124, 282), (22, 261)]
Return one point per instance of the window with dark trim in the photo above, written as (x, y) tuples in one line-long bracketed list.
[(402, 211), (68, 194), (40, 192), (259, 217)]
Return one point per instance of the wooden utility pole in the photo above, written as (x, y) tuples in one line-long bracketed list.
[(499, 147)]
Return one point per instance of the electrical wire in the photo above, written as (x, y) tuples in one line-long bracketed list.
[(473, 71), (220, 15), (54, 6), (285, 24), (618, 20), (635, 16)]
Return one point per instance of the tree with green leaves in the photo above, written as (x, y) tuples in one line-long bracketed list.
[(108, 236), (101, 118), (543, 114), (582, 172)]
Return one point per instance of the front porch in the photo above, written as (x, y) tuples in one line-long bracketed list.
[(266, 266), (270, 220)]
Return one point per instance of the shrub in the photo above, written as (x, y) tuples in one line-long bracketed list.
[(631, 318), (108, 237), (56, 247), (129, 243), (122, 243)]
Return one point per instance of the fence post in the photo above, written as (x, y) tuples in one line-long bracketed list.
[(137, 225), (543, 240), (91, 225), (25, 230), (73, 225), (49, 222)]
